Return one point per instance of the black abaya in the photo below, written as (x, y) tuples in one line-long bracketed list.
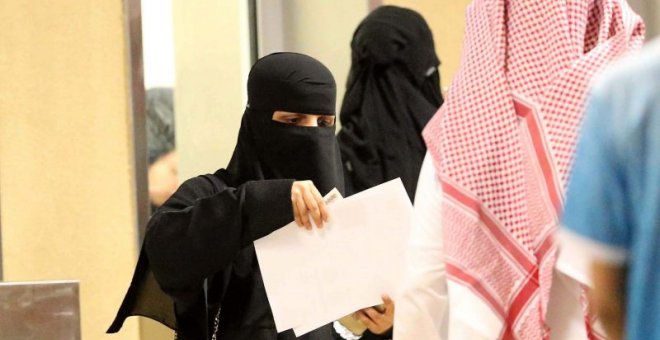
[(393, 90), (198, 256)]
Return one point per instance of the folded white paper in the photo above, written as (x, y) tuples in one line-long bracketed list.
[(313, 277)]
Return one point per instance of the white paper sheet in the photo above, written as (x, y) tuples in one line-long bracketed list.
[(313, 277)]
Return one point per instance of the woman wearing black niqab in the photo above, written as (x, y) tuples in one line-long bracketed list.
[(393, 90), (198, 256)]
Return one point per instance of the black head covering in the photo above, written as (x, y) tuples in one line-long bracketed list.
[(160, 122), (271, 150), (393, 90)]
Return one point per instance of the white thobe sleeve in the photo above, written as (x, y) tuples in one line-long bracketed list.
[(422, 305)]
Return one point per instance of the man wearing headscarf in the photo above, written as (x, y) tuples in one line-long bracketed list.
[(393, 90), (482, 251), (198, 271)]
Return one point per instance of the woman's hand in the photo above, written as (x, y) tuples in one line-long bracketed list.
[(378, 322), (306, 201), (163, 178)]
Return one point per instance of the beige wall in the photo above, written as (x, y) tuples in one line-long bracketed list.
[(324, 29), (212, 59), (650, 11), (447, 20), (66, 178)]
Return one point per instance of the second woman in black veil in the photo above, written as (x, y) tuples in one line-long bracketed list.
[(393, 90)]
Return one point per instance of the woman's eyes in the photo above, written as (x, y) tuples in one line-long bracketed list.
[(325, 122), (302, 121)]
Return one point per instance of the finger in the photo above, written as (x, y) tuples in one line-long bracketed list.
[(389, 304), (302, 210), (366, 320), (321, 202), (313, 207), (374, 315), (296, 214)]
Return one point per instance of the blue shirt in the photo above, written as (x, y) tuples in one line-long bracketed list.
[(614, 194)]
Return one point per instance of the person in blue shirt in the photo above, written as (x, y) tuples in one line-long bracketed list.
[(612, 214)]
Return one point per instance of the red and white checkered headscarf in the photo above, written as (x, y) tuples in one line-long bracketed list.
[(504, 140)]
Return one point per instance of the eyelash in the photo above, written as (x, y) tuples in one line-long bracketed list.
[(321, 122)]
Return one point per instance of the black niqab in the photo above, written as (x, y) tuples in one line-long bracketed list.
[(393, 90), (267, 149)]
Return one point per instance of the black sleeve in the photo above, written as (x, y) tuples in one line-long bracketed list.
[(205, 224), (371, 336), (367, 335)]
